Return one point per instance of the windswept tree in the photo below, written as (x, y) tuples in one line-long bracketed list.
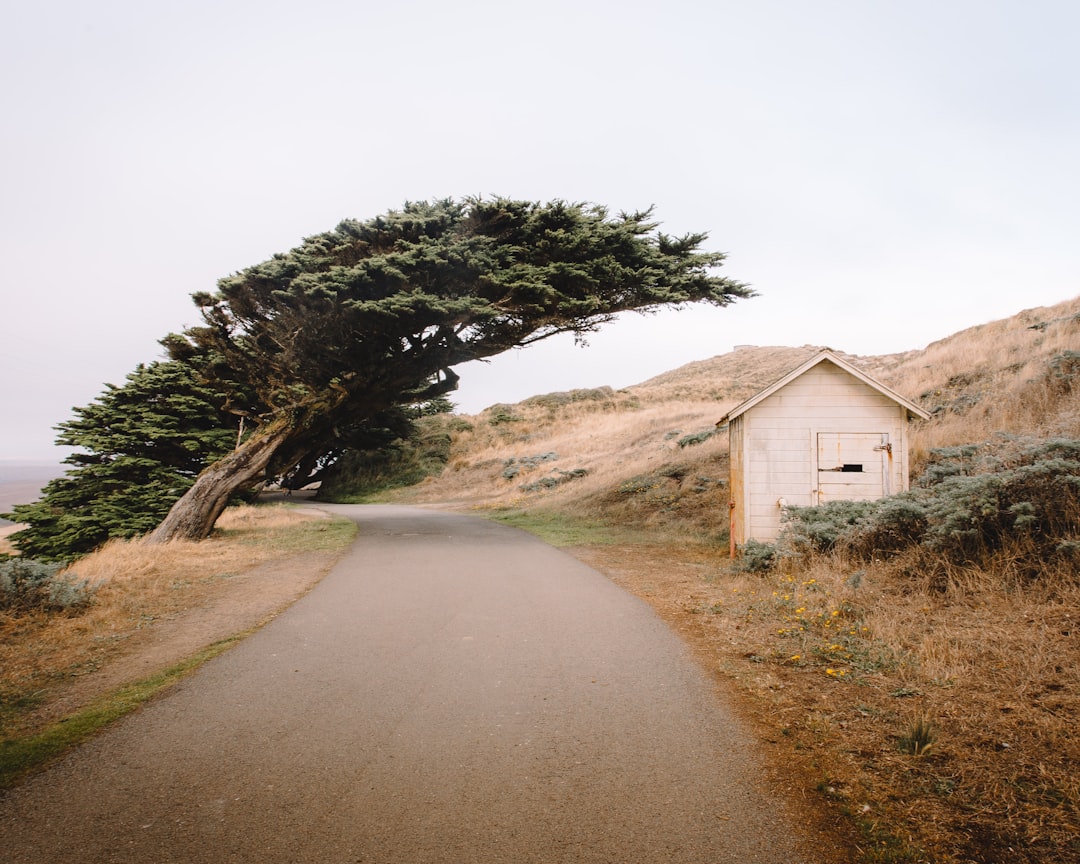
[(139, 447), (358, 323)]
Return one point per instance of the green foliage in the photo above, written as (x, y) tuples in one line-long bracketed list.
[(342, 342), (27, 585), (141, 446), (499, 415), (755, 557), (398, 463), (889, 525), (821, 528), (556, 478), (374, 314), (438, 405), (1034, 497), (371, 318), (971, 503), (697, 437), (571, 397), (949, 462)]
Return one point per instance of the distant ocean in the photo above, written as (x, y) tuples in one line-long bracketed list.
[(21, 482)]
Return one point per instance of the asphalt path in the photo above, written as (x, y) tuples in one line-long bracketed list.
[(453, 691)]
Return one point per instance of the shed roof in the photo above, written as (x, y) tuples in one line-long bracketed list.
[(823, 356)]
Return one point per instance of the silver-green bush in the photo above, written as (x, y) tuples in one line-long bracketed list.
[(27, 585), (970, 504)]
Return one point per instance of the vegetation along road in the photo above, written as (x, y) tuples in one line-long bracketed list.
[(454, 690)]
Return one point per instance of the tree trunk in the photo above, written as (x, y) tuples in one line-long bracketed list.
[(194, 515)]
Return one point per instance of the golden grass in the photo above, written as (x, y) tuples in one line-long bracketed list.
[(994, 673), (993, 379), (613, 445), (941, 724), (847, 671)]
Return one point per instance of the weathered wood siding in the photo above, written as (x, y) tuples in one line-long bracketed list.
[(737, 475), (774, 447)]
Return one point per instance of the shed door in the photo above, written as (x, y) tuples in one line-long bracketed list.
[(853, 466)]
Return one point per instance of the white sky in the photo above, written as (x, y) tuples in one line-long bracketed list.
[(882, 173)]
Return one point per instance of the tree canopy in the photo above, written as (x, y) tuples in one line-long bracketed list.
[(141, 446), (372, 315), (328, 345)]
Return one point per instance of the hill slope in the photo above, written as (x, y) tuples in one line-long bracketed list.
[(651, 454), (932, 721)]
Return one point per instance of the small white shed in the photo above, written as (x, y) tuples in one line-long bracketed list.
[(824, 432)]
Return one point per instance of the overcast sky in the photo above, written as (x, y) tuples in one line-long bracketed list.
[(882, 173)]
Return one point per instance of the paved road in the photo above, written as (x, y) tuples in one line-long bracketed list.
[(453, 691)]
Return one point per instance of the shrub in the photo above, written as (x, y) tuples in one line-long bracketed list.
[(514, 466), (559, 399), (821, 528), (972, 503), (946, 462), (1037, 503), (755, 557), (501, 414), (1063, 372), (554, 479), (697, 437), (26, 585), (892, 524)]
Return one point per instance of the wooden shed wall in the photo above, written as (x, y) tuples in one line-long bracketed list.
[(777, 444), (737, 475)]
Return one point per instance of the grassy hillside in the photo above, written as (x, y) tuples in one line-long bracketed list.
[(650, 453), (934, 717)]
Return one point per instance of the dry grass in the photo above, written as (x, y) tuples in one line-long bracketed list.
[(644, 460), (993, 673), (940, 725), (993, 379), (139, 587), (939, 721)]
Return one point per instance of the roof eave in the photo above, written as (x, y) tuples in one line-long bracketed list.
[(821, 356)]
